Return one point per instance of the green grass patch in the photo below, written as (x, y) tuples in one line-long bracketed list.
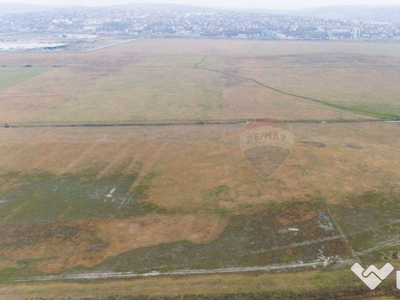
[(10, 76), (369, 219), (44, 197), (8, 275), (251, 239)]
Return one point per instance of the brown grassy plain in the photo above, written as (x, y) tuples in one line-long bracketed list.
[(195, 177)]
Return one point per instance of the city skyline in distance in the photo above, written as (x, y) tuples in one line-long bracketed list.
[(234, 4)]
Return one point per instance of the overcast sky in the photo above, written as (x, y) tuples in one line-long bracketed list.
[(266, 4)]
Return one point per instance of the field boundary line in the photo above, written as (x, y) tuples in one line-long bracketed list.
[(107, 46), (194, 123), (329, 104), (328, 209)]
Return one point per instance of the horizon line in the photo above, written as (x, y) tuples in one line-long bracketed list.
[(198, 5)]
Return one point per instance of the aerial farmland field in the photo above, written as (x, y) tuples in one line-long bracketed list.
[(128, 162)]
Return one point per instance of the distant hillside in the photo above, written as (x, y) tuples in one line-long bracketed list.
[(389, 13), (32, 8), (20, 8), (164, 6), (350, 12)]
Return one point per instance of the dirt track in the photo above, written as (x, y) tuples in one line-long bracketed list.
[(110, 275), (195, 123)]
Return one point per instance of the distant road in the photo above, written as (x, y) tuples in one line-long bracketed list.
[(195, 123), (108, 46)]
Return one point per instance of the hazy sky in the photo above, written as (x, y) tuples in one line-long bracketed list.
[(267, 4)]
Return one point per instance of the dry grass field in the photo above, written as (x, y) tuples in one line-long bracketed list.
[(155, 197)]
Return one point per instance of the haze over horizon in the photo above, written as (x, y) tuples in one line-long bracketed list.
[(250, 4)]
